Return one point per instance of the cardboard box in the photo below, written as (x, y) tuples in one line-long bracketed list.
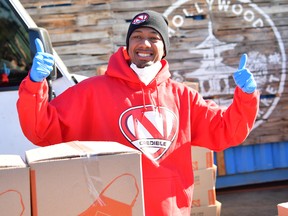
[(86, 178), (211, 210), (202, 158), (282, 209), (204, 187), (14, 186)]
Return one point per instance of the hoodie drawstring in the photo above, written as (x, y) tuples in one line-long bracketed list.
[(143, 97), (155, 103)]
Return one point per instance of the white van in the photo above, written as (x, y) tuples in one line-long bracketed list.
[(17, 30)]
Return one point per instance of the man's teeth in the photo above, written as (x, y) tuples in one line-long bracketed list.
[(143, 54)]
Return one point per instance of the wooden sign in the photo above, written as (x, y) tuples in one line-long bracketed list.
[(207, 37)]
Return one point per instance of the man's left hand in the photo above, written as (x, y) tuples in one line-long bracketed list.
[(244, 78)]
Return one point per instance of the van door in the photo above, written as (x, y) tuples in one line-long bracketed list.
[(15, 62)]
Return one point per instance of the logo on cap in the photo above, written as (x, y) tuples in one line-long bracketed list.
[(141, 18)]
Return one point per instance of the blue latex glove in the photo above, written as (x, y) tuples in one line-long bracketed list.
[(244, 78), (42, 63), (6, 69)]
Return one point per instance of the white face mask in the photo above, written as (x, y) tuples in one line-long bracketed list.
[(147, 74)]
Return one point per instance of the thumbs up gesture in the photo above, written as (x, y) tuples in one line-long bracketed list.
[(42, 63), (243, 78), (6, 69)]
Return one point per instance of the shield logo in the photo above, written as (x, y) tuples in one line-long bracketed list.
[(151, 129)]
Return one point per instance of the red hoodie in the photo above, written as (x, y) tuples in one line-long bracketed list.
[(162, 120)]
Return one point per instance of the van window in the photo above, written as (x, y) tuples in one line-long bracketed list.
[(15, 57)]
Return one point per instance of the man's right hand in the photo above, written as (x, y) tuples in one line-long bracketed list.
[(42, 63)]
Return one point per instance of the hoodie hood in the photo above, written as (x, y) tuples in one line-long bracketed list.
[(119, 67)]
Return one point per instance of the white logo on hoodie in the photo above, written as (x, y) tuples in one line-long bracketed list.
[(151, 129)]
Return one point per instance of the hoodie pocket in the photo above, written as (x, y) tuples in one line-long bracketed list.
[(167, 195)]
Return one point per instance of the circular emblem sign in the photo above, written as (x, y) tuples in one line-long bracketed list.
[(210, 36)]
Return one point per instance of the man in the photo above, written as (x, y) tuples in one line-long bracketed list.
[(137, 104)]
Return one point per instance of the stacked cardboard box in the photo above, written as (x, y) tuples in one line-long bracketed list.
[(282, 209), (77, 178), (14, 186), (204, 201), (86, 178)]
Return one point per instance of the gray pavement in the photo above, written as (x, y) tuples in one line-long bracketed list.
[(253, 200)]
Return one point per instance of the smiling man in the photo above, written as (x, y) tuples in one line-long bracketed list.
[(147, 43), (137, 104)]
